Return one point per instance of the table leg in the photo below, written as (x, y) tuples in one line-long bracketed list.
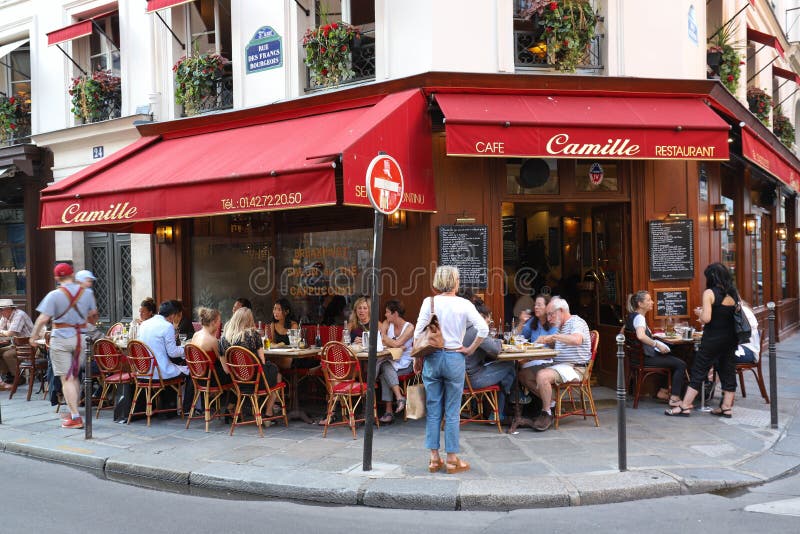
[(518, 420), (294, 410)]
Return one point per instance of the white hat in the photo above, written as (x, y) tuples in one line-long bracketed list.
[(7, 303), (83, 276)]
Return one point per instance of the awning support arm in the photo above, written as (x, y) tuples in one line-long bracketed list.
[(787, 98), (726, 23), (170, 30), (762, 68), (306, 11), (103, 33), (73, 61)]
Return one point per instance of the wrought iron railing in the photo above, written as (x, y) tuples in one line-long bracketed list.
[(20, 134), (362, 57), (220, 98), (525, 58)]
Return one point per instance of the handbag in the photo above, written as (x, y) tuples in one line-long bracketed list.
[(415, 401), (430, 339), (741, 324)]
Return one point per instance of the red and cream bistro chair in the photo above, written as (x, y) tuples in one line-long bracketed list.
[(250, 384), (345, 385), (206, 383), (582, 388), (110, 361), (148, 380)]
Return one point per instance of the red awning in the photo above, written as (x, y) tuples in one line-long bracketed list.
[(74, 31), (157, 5), (582, 127), (284, 164), (785, 74), (765, 39), (769, 159)]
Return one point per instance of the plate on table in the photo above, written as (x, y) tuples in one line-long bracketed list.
[(280, 349), (512, 348)]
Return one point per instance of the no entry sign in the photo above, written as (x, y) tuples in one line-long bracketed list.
[(385, 184)]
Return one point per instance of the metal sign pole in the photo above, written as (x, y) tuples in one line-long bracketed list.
[(622, 446), (87, 390), (773, 368), (369, 415)]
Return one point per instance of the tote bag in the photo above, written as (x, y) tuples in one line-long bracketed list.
[(430, 340), (415, 401)]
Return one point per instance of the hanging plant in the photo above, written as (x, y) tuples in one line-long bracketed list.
[(328, 52), (568, 27), (760, 104), (782, 127), (197, 78), (96, 97), (723, 47), (13, 111)]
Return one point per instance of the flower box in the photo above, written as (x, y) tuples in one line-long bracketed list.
[(97, 97)]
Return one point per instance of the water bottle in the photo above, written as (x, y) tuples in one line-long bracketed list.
[(346, 334), (318, 339)]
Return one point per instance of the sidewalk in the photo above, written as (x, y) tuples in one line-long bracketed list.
[(574, 465)]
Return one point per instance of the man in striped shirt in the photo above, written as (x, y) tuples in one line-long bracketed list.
[(573, 347), (13, 322)]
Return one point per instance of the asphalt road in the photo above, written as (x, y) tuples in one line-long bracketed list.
[(43, 497)]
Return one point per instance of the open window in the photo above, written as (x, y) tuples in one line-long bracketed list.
[(15, 92)]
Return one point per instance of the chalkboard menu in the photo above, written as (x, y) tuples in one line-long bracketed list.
[(510, 249), (466, 247), (672, 302), (672, 249)]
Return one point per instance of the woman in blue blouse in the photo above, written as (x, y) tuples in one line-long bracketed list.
[(534, 327)]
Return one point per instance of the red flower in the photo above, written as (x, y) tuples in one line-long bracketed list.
[(549, 29), (730, 77), (322, 49), (324, 72), (566, 42), (11, 100), (334, 26), (343, 48), (12, 126), (553, 6)]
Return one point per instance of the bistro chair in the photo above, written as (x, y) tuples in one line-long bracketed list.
[(144, 367), (582, 388), (757, 372), (29, 364), (345, 385), (111, 364), (116, 329), (249, 383), (330, 333), (476, 397), (206, 383), (637, 372)]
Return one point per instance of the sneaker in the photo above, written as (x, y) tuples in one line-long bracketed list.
[(72, 423), (543, 422)]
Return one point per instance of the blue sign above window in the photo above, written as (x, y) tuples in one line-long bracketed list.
[(264, 51)]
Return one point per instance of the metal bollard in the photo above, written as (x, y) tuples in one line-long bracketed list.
[(87, 391), (773, 368), (622, 448)]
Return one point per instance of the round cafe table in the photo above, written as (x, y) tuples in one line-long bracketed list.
[(288, 352), (543, 353)]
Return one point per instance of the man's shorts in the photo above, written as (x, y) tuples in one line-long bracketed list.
[(61, 351), (568, 373)]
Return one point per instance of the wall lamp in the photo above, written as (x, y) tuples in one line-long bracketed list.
[(164, 233), (750, 224), (781, 232), (397, 220), (720, 217)]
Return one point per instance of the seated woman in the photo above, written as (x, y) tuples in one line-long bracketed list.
[(655, 352), (750, 351), (282, 321), (533, 328), (481, 367), (359, 319), (396, 332), (206, 340), (147, 309), (241, 331)]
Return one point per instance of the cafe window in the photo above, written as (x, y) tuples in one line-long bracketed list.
[(313, 267), (535, 176), (782, 250), (728, 238), (15, 81), (209, 26), (104, 49), (12, 251), (591, 176), (757, 261)]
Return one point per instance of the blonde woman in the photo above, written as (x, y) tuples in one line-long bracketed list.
[(241, 331), (206, 340), (359, 319), (443, 371)]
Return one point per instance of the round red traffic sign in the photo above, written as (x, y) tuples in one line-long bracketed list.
[(385, 184)]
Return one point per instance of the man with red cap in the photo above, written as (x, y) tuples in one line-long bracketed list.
[(68, 306)]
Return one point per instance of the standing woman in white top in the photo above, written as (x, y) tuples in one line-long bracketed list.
[(443, 371), (396, 332)]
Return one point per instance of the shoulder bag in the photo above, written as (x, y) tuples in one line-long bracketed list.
[(741, 324), (430, 340)]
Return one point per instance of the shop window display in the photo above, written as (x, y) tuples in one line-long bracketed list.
[(12, 252)]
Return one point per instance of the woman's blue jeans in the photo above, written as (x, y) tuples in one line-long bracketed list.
[(443, 376)]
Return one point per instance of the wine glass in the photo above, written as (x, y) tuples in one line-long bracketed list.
[(507, 336)]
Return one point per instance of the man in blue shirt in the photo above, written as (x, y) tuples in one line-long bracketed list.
[(69, 306), (158, 333)]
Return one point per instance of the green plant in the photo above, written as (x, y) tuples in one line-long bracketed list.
[(760, 103), (96, 97), (13, 111), (196, 78), (328, 52), (568, 28), (730, 65), (782, 127)]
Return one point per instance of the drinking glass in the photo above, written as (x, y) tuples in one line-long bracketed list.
[(507, 336), (182, 338), (294, 337), (365, 339)]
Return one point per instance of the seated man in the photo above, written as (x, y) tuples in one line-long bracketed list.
[(481, 366), (573, 345), (13, 323), (158, 333)]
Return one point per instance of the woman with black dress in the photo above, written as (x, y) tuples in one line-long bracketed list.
[(718, 344)]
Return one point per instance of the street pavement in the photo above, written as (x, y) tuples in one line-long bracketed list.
[(574, 465)]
